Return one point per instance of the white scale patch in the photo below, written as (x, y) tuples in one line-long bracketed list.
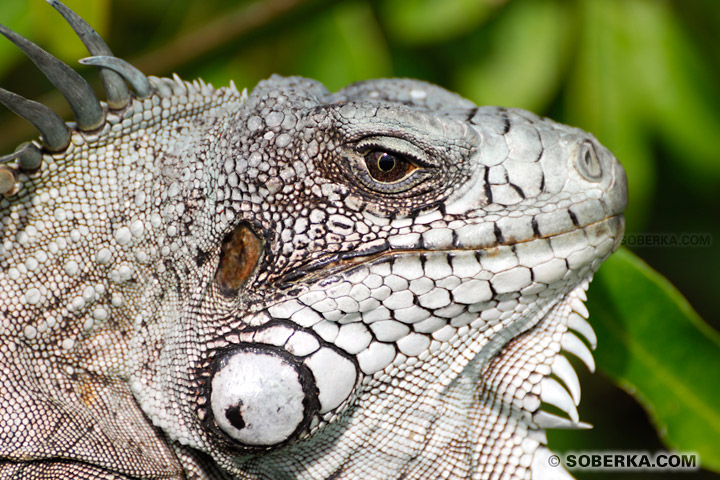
[(257, 398)]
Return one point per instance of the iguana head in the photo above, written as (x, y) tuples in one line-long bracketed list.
[(381, 259), (374, 283)]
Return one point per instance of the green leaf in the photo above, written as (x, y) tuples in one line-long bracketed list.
[(346, 45), (46, 27), (654, 345), (431, 21), (13, 15), (337, 45), (523, 61), (680, 92), (53, 33)]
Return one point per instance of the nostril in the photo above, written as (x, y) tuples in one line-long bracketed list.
[(587, 162)]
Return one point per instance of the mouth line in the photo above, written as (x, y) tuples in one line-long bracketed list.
[(376, 253)]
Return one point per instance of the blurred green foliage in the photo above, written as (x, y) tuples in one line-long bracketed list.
[(642, 75), (652, 344)]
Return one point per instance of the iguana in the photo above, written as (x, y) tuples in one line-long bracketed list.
[(376, 283)]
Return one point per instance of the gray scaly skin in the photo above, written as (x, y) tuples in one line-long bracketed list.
[(377, 283)]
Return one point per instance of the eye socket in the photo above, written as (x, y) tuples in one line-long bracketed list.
[(390, 166), (385, 167)]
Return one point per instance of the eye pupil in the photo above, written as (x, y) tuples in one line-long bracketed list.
[(386, 167), (386, 162)]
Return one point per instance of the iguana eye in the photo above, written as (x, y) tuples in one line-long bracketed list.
[(386, 167), (389, 165)]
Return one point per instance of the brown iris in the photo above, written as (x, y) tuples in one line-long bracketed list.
[(386, 167)]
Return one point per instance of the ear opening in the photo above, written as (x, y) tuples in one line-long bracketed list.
[(241, 253)]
